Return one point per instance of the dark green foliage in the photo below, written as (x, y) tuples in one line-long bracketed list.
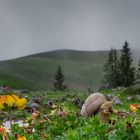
[(126, 68), (138, 71), (112, 74), (59, 80), (120, 72)]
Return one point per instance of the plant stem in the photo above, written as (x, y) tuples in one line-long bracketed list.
[(10, 119)]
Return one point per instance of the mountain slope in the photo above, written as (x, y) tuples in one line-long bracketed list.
[(81, 69)]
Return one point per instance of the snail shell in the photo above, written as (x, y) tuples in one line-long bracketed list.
[(92, 104)]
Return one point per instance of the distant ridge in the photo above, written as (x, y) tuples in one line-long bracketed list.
[(63, 52)]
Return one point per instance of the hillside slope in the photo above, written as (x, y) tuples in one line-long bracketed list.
[(81, 69)]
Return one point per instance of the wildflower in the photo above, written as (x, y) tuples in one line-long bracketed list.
[(19, 102), (35, 114), (62, 113), (20, 137), (12, 101), (6, 88), (3, 132), (6, 100)]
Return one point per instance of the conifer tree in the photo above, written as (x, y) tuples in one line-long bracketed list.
[(138, 71), (59, 80), (112, 69), (126, 68)]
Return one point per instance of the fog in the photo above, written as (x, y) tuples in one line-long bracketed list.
[(32, 26)]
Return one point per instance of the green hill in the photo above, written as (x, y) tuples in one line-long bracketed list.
[(81, 69)]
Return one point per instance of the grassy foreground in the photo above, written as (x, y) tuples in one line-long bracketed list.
[(64, 122)]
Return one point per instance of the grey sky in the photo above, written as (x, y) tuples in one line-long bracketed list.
[(31, 26)]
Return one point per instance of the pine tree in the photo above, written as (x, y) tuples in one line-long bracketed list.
[(126, 68), (138, 71), (116, 69), (59, 80), (111, 69)]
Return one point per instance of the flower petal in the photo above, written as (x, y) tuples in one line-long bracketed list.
[(21, 103)]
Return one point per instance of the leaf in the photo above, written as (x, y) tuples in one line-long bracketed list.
[(134, 107)]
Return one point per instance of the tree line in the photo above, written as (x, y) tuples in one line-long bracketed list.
[(119, 69)]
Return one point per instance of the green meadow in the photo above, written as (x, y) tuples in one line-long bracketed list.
[(36, 72)]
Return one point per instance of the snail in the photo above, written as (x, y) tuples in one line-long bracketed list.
[(97, 103)]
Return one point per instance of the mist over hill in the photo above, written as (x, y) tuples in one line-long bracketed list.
[(136, 55), (82, 69)]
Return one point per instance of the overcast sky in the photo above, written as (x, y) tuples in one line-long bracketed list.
[(31, 26)]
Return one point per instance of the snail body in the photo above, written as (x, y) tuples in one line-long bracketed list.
[(97, 104)]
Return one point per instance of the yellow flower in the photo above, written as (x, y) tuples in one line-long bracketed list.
[(20, 137), (6, 100), (19, 102), (12, 101), (15, 97)]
